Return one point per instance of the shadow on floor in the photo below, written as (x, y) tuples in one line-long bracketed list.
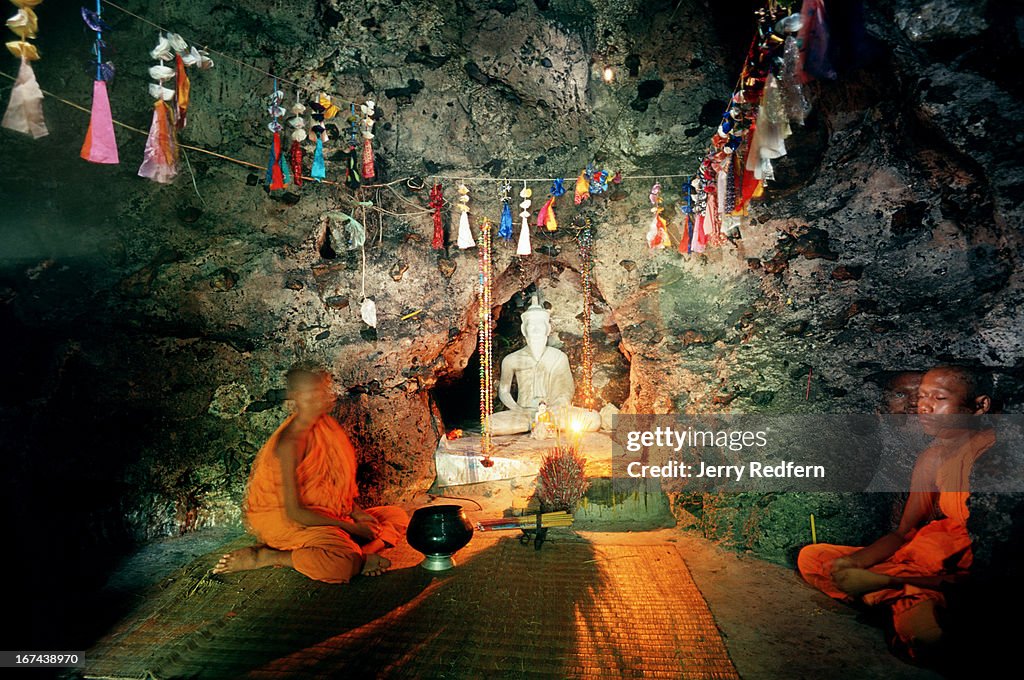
[(571, 609)]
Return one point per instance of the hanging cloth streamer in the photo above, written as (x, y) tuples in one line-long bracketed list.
[(524, 247), (182, 91), (657, 235), (436, 203), (25, 108), (160, 159), (686, 229), (368, 111), (319, 169), (582, 192), (100, 145), (546, 215), (465, 239)]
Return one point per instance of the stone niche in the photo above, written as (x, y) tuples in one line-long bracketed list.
[(457, 394)]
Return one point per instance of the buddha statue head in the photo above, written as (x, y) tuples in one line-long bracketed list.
[(536, 326)]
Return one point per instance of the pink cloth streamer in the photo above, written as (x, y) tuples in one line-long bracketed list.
[(160, 159), (100, 145)]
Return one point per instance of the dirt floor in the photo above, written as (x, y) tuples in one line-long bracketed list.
[(774, 626)]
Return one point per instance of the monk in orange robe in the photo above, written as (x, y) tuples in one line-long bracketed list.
[(907, 568), (300, 502)]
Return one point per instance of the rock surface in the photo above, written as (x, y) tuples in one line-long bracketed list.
[(152, 324)]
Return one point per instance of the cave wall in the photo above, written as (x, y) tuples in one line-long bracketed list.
[(152, 324)]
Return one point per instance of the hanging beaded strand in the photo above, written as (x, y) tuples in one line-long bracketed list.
[(585, 239), (486, 342)]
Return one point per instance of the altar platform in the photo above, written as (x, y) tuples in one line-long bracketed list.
[(507, 487)]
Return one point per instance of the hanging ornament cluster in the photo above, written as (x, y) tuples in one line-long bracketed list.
[(25, 107), (465, 239), (767, 99), (523, 247), (486, 339), (319, 129), (279, 174), (298, 134), (692, 237), (100, 145), (505, 225), (160, 158), (585, 240), (353, 175), (436, 203), (597, 180), (368, 110), (657, 235)]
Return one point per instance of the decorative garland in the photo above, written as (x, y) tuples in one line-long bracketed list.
[(585, 239), (486, 341)]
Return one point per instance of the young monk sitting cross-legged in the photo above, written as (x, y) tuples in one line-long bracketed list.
[(300, 499), (909, 568)]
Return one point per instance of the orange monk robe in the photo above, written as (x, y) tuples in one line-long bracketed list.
[(326, 480), (939, 548)]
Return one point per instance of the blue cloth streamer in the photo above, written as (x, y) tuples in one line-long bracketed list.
[(505, 227), (319, 170), (285, 171), (558, 187), (270, 165)]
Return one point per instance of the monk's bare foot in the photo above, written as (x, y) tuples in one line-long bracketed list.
[(253, 557), (859, 582), (375, 565)]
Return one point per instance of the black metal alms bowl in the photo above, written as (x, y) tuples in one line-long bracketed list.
[(439, 531)]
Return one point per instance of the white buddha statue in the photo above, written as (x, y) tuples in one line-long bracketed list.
[(541, 374)]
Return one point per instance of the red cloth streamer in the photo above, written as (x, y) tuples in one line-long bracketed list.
[(368, 171), (182, 93), (684, 235), (437, 202), (700, 238), (546, 216), (277, 177), (659, 237), (295, 162)]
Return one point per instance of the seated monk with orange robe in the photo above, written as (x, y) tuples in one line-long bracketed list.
[(907, 568), (300, 499)]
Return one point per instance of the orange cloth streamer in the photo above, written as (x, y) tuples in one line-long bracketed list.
[(184, 87), (582, 191)]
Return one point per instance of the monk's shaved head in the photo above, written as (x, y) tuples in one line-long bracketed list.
[(303, 374), (977, 383)]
